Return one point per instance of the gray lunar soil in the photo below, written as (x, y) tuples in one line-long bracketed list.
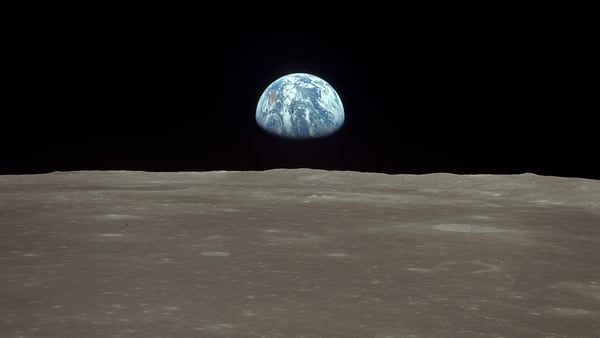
[(298, 253)]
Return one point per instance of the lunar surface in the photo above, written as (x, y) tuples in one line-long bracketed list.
[(298, 253)]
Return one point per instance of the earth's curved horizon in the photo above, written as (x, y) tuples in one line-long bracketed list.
[(300, 106)]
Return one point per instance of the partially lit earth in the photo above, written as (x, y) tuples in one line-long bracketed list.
[(300, 106)]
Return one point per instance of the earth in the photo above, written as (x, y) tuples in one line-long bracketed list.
[(300, 106)]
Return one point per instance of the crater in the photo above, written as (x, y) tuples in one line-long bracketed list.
[(458, 268), (567, 311), (111, 235), (470, 228), (215, 253), (118, 216)]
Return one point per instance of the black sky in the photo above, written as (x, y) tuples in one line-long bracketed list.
[(174, 87)]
